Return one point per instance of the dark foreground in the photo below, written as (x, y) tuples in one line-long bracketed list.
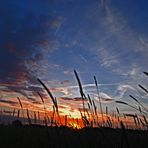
[(63, 137)]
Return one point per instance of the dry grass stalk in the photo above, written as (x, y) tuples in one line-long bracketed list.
[(140, 109), (145, 120), (106, 110), (43, 104), (41, 98), (95, 112), (134, 118), (117, 110), (80, 89), (138, 103), (146, 73), (138, 121), (143, 124), (101, 111), (110, 122), (13, 114), (142, 87), (53, 114), (49, 93), (35, 118), (124, 103), (135, 121), (79, 83), (28, 116), (118, 114), (52, 98), (21, 105), (130, 115), (90, 106), (39, 117), (18, 114), (85, 121), (89, 100), (65, 118)]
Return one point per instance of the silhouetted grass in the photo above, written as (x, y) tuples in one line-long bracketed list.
[(91, 136), (63, 137)]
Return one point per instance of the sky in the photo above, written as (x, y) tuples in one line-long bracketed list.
[(49, 39)]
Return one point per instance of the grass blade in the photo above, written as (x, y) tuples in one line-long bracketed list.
[(96, 83), (142, 87)]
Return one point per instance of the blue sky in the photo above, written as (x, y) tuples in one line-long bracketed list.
[(49, 39)]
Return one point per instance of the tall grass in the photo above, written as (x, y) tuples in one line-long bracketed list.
[(125, 103), (143, 88), (54, 100), (90, 113), (138, 103), (80, 89), (21, 105), (45, 120), (101, 111)]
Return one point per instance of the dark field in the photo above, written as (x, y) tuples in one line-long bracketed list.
[(63, 137)]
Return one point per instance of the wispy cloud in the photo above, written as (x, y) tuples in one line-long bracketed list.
[(83, 58), (123, 89), (143, 41), (112, 39)]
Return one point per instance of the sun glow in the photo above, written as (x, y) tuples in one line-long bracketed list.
[(74, 113), (76, 126)]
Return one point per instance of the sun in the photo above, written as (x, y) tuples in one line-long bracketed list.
[(76, 126)]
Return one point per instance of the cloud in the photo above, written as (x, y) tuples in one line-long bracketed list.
[(71, 99), (72, 91), (68, 71), (112, 41), (83, 58), (124, 91), (143, 41), (65, 82), (8, 102), (26, 39), (104, 97), (119, 28)]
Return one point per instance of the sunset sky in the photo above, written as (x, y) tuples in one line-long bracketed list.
[(48, 39)]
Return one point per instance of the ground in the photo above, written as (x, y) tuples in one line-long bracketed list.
[(63, 137)]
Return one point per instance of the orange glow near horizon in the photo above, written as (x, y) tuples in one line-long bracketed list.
[(73, 118), (72, 114)]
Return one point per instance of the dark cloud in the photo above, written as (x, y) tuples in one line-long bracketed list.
[(7, 111), (65, 82), (34, 101), (61, 106), (71, 99), (53, 89), (25, 37), (27, 33), (107, 99), (29, 92), (31, 99), (8, 102)]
